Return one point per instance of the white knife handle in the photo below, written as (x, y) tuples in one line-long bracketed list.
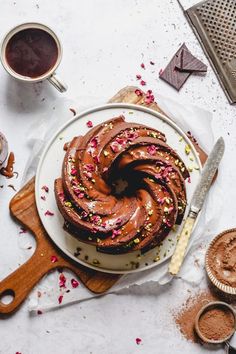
[(181, 246)]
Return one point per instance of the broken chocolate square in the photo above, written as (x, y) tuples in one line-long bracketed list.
[(171, 74), (189, 62)]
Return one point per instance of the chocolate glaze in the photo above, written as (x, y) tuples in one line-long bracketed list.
[(144, 214)]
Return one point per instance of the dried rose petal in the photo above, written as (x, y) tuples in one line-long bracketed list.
[(138, 92), (39, 312), (62, 281), (89, 167), (138, 340), (89, 124), (143, 83), (94, 142), (84, 214), (115, 233), (73, 172), (74, 283), (60, 299), (189, 179), (160, 72), (45, 188), (152, 62), (142, 66), (115, 146), (54, 259), (105, 169), (81, 195), (49, 213), (151, 149), (138, 77), (43, 197)]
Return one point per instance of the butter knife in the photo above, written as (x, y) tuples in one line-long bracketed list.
[(197, 201)]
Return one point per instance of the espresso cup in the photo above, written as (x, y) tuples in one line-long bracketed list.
[(31, 52)]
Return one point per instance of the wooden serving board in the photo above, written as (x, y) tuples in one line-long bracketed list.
[(23, 209)]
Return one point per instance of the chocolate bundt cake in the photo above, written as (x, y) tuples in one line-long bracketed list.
[(142, 214)]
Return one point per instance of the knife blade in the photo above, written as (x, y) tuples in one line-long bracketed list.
[(197, 201)]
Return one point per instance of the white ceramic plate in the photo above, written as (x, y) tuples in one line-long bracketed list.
[(50, 168)]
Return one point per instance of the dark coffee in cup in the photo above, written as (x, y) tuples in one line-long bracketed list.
[(31, 52)]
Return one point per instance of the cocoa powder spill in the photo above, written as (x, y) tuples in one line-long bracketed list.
[(216, 323), (8, 170), (185, 317)]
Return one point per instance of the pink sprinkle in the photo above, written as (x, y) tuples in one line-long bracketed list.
[(73, 171), (152, 149), (45, 188), (62, 281), (22, 230), (60, 299), (189, 180), (143, 83), (48, 213), (138, 92), (39, 312), (89, 124), (43, 197), (74, 283), (152, 62), (142, 66), (54, 259), (138, 77), (138, 340)]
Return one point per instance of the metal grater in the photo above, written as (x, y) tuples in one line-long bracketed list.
[(214, 22)]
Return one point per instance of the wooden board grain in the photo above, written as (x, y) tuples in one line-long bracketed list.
[(23, 209)]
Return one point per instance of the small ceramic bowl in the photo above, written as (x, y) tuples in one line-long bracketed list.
[(221, 286), (210, 306)]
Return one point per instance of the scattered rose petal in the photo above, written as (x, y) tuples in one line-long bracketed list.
[(73, 171), (62, 281), (138, 92), (48, 213), (60, 299), (152, 62), (74, 283), (45, 188), (94, 142), (142, 66), (138, 77), (84, 214), (143, 83), (43, 197), (138, 340), (160, 72), (18, 353), (73, 111), (189, 179), (81, 195), (39, 312), (54, 259), (12, 187), (89, 124)]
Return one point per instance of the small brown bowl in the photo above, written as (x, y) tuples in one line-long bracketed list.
[(221, 286), (212, 305)]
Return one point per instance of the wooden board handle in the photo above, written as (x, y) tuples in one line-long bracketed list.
[(21, 281)]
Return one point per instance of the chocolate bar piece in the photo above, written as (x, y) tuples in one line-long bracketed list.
[(171, 74), (189, 62)]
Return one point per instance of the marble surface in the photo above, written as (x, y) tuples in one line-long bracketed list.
[(104, 44)]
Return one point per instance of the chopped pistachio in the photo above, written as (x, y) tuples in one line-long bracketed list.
[(136, 240), (68, 204), (95, 261), (187, 149)]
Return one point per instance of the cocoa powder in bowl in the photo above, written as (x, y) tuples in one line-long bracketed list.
[(215, 323)]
